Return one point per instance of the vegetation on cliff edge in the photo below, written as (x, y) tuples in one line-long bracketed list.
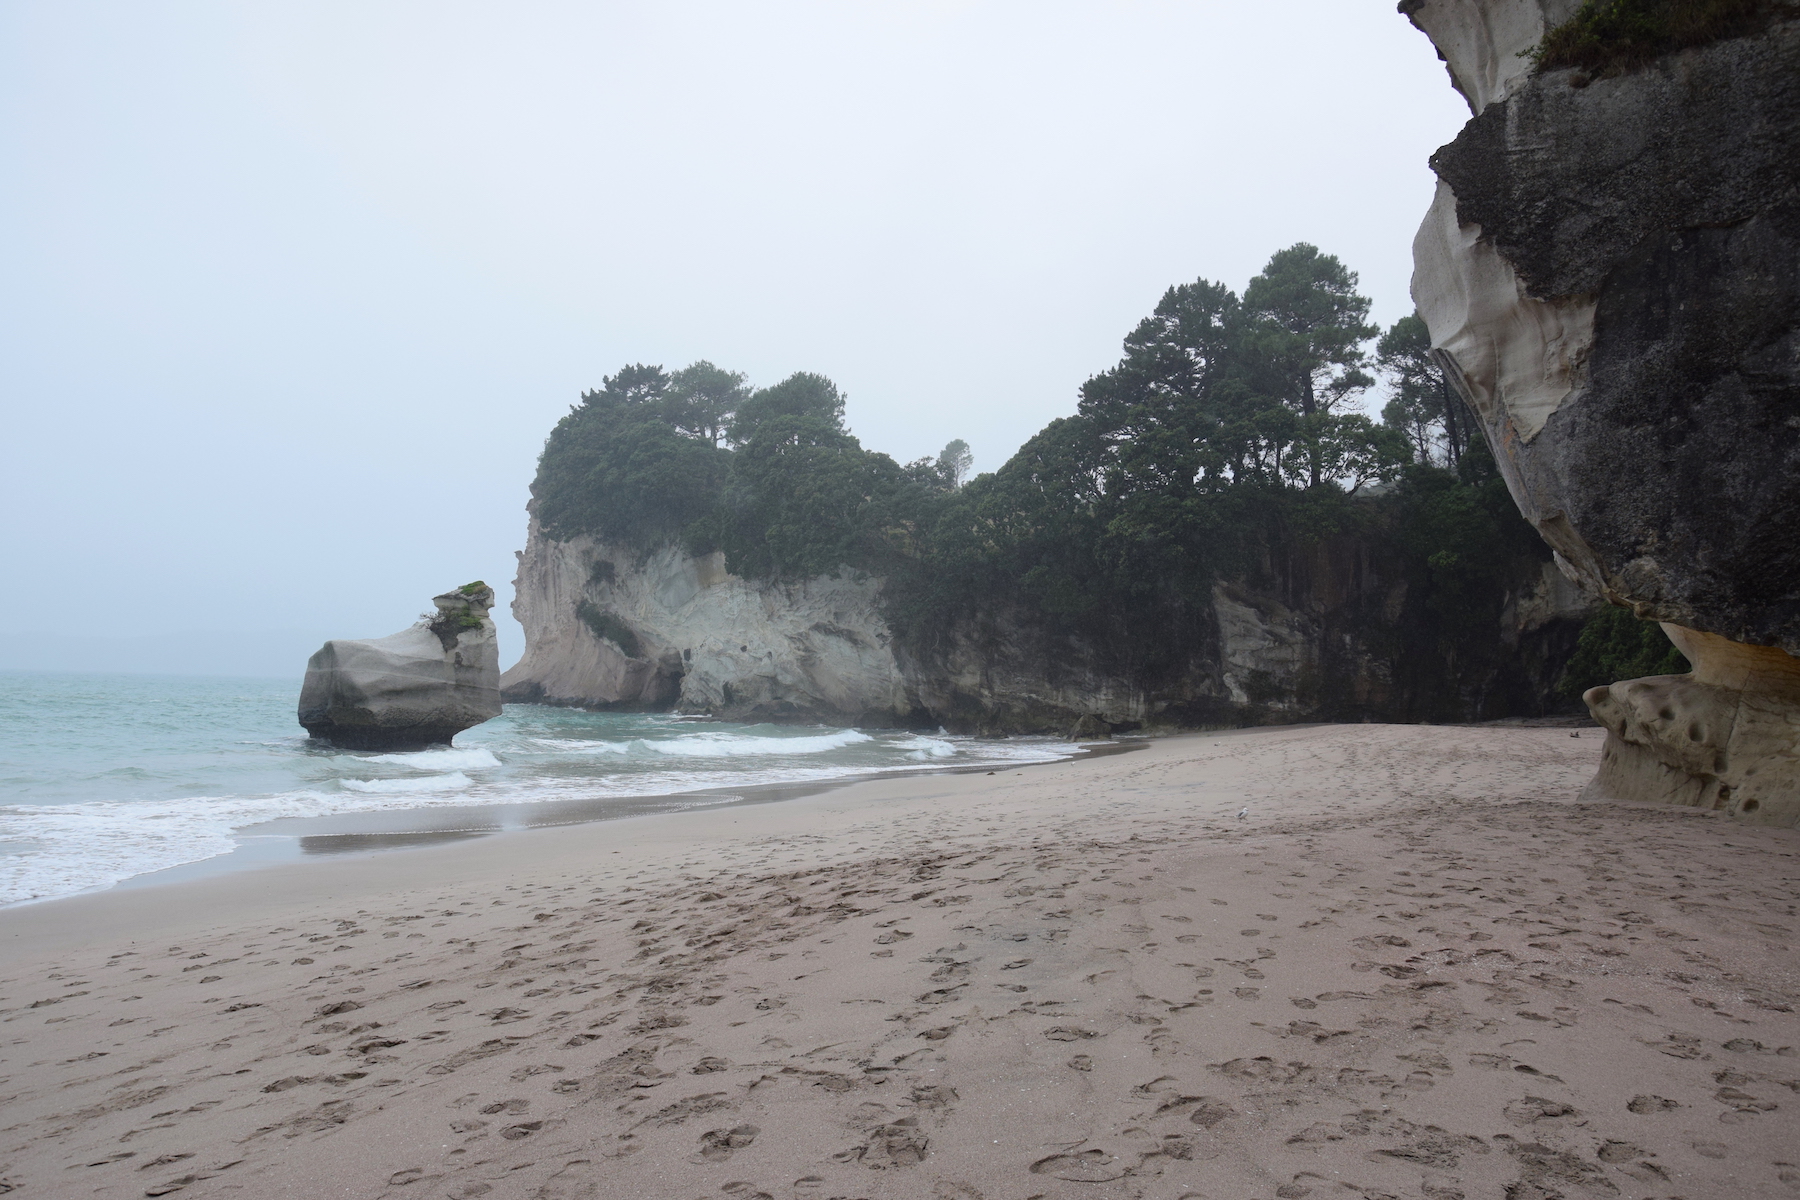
[(1610, 37), (1227, 444)]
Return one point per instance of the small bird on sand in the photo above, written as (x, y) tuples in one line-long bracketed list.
[(1243, 812)]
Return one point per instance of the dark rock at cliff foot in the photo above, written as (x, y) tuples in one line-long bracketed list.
[(1090, 728), (1611, 274), (416, 688)]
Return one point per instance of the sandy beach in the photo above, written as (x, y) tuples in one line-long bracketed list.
[(1417, 967)]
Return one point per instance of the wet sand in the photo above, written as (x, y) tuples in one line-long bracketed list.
[(1417, 968)]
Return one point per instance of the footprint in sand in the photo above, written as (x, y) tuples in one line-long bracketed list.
[(1089, 1166), (744, 1190), (717, 1145)]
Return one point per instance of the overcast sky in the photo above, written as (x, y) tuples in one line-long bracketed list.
[(291, 293)]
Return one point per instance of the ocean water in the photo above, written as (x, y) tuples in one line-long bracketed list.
[(107, 777)]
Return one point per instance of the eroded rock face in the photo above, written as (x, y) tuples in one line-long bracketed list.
[(1611, 273), (1483, 43), (1726, 736), (608, 628), (416, 688)]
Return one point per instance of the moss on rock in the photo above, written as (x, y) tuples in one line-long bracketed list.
[(1611, 37), (609, 627)]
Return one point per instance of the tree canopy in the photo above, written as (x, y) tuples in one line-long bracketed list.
[(1615, 644), (703, 399), (627, 463)]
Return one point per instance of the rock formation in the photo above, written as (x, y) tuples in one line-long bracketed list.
[(1610, 271), (413, 689), (609, 627)]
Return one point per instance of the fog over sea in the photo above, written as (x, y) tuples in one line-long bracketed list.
[(108, 777)]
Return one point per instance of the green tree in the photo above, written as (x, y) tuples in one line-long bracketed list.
[(615, 466), (804, 498), (701, 399), (1308, 324), (1420, 404), (812, 403), (1615, 645), (1161, 410), (953, 463), (634, 384), (1029, 533)]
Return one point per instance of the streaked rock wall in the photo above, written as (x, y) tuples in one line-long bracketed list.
[(1611, 273)]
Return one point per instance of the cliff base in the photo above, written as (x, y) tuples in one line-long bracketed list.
[(1725, 737)]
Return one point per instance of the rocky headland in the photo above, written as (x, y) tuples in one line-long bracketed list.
[(608, 627), (1310, 637), (1219, 535), (1611, 275), (416, 688)]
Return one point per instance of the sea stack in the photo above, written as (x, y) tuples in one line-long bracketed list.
[(416, 688), (1611, 275)]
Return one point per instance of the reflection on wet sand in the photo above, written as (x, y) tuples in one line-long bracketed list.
[(349, 843)]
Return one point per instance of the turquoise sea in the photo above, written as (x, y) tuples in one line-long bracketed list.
[(105, 778)]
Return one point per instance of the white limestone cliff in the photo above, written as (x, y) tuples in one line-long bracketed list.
[(1266, 650), (1725, 737), (606, 627), (1483, 42), (1516, 360)]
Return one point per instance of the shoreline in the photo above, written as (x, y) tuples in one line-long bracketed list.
[(1418, 966), (298, 841), (263, 808), (212, 882)]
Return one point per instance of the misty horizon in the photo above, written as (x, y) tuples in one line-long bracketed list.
[(296, 294)]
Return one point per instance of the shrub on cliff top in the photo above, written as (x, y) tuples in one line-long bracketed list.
[(793, 495), (620, 466), (1610, 37)]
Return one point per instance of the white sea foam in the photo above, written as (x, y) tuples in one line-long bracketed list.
[(927, 749), (454, 781), (737, 745), (97, 837), (447, 759), (582, 745), (74, 847), (712, 745), (1026, 750)]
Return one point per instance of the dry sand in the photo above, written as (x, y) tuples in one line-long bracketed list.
[(1418, 968)]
